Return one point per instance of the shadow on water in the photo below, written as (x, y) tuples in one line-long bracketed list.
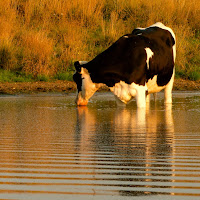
[(52, 150)]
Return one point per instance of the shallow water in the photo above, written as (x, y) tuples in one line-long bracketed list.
[(49, 149)]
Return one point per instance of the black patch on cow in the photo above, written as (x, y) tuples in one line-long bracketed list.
[(156, 33), (125, 60), (77, 66), (78, 80)]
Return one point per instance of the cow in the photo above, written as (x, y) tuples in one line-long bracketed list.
[(136, 65)]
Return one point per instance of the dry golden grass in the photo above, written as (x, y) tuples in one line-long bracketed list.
[(46, 36)]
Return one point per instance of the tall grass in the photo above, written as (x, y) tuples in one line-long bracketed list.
[(46, 36)]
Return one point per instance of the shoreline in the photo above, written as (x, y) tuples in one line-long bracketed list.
[(69, 86)]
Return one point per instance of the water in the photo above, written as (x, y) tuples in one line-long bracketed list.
[(49, 149)]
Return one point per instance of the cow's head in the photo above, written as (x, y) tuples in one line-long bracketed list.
[(86, 88)]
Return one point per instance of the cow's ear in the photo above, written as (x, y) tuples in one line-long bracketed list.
[(77, 66)]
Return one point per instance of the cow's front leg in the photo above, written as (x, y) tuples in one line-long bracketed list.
[(168, 96), (141, 96)]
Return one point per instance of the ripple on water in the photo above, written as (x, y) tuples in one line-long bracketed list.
[(49, 149)]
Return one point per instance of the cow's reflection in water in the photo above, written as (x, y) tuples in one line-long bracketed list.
[(138, 141)]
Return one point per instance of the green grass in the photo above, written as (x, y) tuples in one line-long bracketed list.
[(194, 76), (192, 73), (10, 76), (42, 77)]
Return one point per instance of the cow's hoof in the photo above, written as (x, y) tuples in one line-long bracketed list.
[(81, 102)]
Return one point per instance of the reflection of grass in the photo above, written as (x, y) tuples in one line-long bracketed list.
[(43, 38)]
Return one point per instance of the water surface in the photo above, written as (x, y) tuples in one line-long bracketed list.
[(49, 149)]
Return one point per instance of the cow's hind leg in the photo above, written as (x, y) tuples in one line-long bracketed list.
[(168, 90)]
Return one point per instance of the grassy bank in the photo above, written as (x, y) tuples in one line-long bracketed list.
[(40, 39), (20, 76)]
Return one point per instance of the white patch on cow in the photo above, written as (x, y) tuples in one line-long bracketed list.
[(149, 53), (153, 86), (83, 62), (140, 28), (174, 52), (88, 87)]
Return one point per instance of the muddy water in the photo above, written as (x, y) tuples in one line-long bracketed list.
[(49, 149)]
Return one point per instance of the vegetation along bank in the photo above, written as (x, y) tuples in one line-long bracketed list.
[(40, 39)]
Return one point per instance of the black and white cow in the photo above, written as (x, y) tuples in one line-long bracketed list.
[(136, 65)]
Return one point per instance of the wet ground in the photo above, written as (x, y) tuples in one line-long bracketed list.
[(49, 149)]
